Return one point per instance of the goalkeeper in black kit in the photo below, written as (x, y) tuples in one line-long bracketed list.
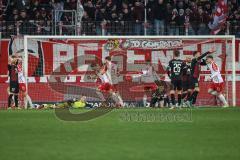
[(160, 95), (196, 64)]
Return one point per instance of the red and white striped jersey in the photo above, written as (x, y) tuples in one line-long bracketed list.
[(21, 78), (104, 78), (112, 72), (215, 72)]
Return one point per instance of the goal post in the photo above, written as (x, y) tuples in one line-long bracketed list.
[(133, 50)]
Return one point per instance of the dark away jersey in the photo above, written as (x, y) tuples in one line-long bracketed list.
[(13, 74), (186, 76), (196, 65), (175, 69)]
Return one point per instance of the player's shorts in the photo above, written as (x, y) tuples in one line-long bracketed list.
[(22, 87), (194, 83), (106, 87), (219, 87), (186, 85), (14, 88), (177, 84)]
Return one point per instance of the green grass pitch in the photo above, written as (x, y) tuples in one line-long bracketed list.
[(212, 133)]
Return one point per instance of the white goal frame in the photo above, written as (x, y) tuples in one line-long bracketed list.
[(232, 37)]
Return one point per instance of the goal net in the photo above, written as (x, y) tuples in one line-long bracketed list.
[(58, 67)]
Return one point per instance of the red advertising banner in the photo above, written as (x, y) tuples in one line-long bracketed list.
[(71, 58)]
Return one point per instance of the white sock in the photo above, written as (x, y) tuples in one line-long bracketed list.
[(222, 99), (100, 95), (115, 98), (120, 100), (29, 100)]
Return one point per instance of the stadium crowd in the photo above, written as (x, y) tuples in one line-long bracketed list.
[(115, 17)]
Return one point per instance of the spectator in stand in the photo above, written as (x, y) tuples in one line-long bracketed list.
[(138, 17), (173, 22), (203, 22), (159, 16), (118, 16), (194, 18), (181, 22), (58, 5), (126, 19)]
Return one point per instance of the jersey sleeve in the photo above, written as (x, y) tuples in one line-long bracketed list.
[(203, 62), (214, 70), (169, 68), (202, 56)]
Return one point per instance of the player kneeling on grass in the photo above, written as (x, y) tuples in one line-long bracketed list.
[(217, 85), (160, 95)]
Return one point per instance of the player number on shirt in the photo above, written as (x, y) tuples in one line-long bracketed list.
[(177, 68)]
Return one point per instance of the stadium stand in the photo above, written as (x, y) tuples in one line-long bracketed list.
[(119, 17)]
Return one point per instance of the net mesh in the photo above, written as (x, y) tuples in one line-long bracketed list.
[(59, 68)]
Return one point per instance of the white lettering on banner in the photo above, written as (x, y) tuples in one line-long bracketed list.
[(82, 56), (131, 61), (31, 79), (191, 48), (152, 44), (163, 58), (63, 54), (43, 79)]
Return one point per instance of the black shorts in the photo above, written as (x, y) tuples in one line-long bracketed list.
[(194, 83), (177, 84), (14, 88), (186, 85)]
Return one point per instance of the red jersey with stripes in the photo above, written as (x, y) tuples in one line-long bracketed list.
[(21, 78), (215, 72)]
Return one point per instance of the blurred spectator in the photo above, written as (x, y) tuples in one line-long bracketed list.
[(159, 16), (58, 7), (138, 17), (124, 17), (173, 22)]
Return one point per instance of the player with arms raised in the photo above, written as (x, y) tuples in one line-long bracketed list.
[(175, 70), (217, 86), (196, 64)]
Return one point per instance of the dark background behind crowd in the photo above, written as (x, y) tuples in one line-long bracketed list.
[(116, 17)]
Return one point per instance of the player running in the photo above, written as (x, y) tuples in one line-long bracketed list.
[(13, 83), (196, 64), (175, 70), (113, 73), (217, 86), (105, 86)]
